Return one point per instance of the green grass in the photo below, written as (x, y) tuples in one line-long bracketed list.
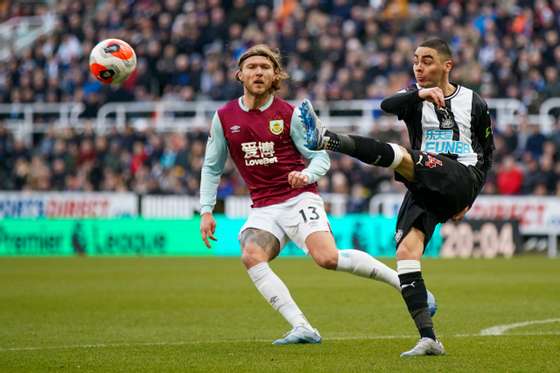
[(182, 314)]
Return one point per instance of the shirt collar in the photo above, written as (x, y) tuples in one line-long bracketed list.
[(262, 108)]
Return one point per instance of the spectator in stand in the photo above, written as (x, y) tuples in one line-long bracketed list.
[(535, 141), (509, 177)]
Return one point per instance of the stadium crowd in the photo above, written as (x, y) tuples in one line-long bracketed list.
[(334, 50), (147, 162), (337, 49)]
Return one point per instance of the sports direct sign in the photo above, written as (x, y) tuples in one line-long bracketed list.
[(67, 205), (536, 215)]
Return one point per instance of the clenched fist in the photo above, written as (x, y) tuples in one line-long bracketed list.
[(434, 95), (297, 179)]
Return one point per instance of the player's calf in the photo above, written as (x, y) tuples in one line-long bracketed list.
[(413, 289), (415, 295)]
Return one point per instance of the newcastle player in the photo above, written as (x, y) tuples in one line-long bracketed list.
[(444, 170)]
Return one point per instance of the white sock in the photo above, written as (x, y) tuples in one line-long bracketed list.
[(398, 156), (408, 266), (362, 264), (277, 294)]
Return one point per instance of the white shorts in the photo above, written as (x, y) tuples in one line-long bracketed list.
[(294, 219)]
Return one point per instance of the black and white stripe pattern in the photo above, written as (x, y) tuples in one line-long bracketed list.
[(460, 104), (458, 130)]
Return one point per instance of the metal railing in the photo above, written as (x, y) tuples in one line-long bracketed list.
[(25, 119), (356, 115), (18, 33), (361, 115)]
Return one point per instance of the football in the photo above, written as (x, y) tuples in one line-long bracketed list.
[(112, 61)]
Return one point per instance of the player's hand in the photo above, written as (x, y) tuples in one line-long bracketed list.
[(433, 95), (460, 215), (207, 228), (297, 179)]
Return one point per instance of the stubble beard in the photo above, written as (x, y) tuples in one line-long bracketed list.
[(259, 94)]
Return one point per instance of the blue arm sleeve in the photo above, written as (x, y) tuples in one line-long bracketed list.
[(319, 160), (213, 166)]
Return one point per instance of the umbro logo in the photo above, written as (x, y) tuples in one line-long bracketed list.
[(235, 129)]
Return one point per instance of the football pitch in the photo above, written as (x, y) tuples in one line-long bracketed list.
[(204, 315)]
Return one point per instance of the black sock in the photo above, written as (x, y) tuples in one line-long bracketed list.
[(365, 149), (415, 296)]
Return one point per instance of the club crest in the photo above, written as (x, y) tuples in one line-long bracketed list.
[(276, 126), (445, 117)]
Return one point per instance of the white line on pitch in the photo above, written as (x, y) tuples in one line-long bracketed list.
[(186, 343), (501, 329)]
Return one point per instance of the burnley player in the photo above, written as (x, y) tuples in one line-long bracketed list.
[(265, 138), (451, 152)]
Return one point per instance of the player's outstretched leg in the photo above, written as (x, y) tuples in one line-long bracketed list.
[(415, 295), (259, 247), (322, 248), (365, 149)]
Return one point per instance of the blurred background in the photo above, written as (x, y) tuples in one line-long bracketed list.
[(73, 148)]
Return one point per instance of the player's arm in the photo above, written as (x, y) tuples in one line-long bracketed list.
[(484, 133), (212, 169), (319, 161), (482, 127), (403, 101)]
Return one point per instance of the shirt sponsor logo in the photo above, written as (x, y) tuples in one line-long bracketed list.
[(259, 153), (276, 126), (441, 141)]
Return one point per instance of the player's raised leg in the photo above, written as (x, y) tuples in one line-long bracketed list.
[(258, 248), (365, 149), (414, 293)]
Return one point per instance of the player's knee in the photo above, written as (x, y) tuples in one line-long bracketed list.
[(407, 251), (252, 255), (406, 167), (327, 260)]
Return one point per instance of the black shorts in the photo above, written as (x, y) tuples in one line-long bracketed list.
[(442, 188)]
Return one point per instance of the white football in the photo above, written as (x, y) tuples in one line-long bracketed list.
[(112, 61)]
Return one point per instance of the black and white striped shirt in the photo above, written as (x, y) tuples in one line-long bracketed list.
[(462, 129)]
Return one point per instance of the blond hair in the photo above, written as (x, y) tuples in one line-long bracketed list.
[(272, 55)]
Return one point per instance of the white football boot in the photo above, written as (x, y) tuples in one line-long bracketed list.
[(425, 346), (299, 335)]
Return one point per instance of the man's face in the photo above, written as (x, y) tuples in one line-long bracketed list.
[(257, 74), (430, 67)]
